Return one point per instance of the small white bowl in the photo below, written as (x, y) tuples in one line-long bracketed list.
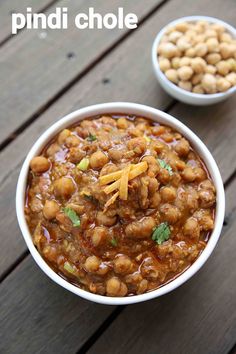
[(174, 90), (155, 115)]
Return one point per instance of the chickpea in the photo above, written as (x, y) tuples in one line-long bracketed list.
[(182, 147), (98, 159), (222, 84), (114, 287), (213, 58), (185, 85), (201, 49), (231, 78), (191, 228), (183, 44), (167, 50), (185, 73), (72, 141), (223, 67), (168, 194), (219, 29), (39, 164), (198, 89), (200, 174), (226, 37), (53, 149), (138, 145), (182, 27), (64, 187), (122, 122), (122, 264), (188, 174), (210, 33), (207, 223), (99, 235), (174, 36), (170, 213), (50, 209), (207, 198), (225, 50), (92, 264), (103, 219), (212, 45), (232, 64), (191, 52), (172, 75), (63, 135), (210, 69), (196, 79), (164, 64), (175, 62), (209, 83), (198, 65), (184, 61)]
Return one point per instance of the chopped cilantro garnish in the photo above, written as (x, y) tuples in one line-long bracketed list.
[(114, 242), (71, 214), (91, 137), (148, 140), (165, 165), (161, 233)]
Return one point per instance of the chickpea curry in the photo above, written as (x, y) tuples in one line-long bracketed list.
[(119, 205)]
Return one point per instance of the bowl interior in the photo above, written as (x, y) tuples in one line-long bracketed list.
[(162, 76), (153, 114)]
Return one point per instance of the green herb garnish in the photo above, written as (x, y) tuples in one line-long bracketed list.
[(84, 164), (91, 137), (161, 233), (71, 214), (148, 140), (165, 165), (114, 242), (69, 268)]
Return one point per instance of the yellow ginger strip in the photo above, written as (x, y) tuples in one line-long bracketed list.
[(111, 200), (135, 172), (124, 183), (111, 177)]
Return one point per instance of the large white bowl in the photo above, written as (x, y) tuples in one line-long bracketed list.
[(155, 115), (175, 91)]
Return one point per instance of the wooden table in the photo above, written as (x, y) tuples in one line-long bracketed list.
[(46, 74)]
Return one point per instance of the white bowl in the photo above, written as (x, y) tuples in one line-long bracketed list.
[(174, 90), (155, 115)]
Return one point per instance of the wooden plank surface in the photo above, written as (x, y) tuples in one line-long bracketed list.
[(7, 7), (90, 90), (197, 318), (53, 60)]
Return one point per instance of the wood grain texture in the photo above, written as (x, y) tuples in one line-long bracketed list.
[(35, 67), (91, 89), (199, 317), (39, 316), (7, 7)]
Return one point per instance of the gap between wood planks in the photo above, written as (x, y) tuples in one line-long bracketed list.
[(44, 9), (77, 78)]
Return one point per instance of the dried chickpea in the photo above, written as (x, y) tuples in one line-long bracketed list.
[(213, 58), (198, 65), (185, 73), (196, 79), (168, 50), (172, 75), (223, 67), (210, 69), (209, 83), (222, 84), (198, 89), (201, 49), (185, 85), (212, 45), (231, 78), (164, 64)]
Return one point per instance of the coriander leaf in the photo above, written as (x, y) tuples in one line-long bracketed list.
[(161, 233), (71, 214), (91, 137), (114, 242), (165, 165)]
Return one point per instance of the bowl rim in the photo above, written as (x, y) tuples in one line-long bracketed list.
[(153, 114), (162, 76)]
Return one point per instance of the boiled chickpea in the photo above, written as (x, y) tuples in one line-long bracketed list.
[(231, 78), (122, 264), (226, 37), (167, 50), (213, 58), (201, 49), (182, 147), (191, 52), (225, 50), (170, 213), (175, 62), (185, 85), (198, 65), (222, 84), (198, 89), (191, 228), (184, 61), (212, 45), (209, 83), (138, 145), (50, 209), (114, 287), (219, 29), (232, 64), (103, 219), (64, 187), (183, 44), (182, 26), (99, 235), (164, 64), (92, 264), (172, 75), (185, 73), (174, 36), (98, 159), (39, 164), (63, 136), (223, 67), (188, 174), (200, 174), (122, 122), (210, 69), (168, 194), (210, 33)]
